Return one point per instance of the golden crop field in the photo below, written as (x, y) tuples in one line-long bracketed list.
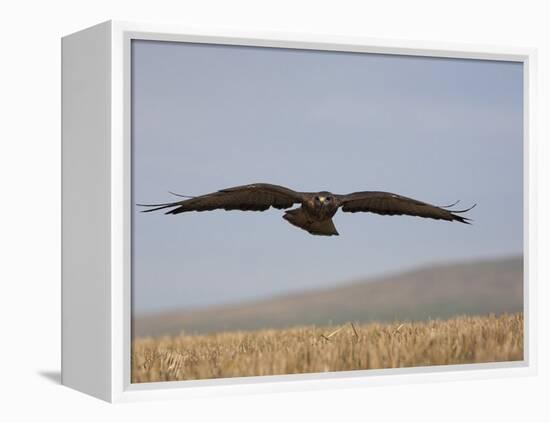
[(311, 349)]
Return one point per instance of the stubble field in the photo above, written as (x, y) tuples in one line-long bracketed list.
[(311, 349)]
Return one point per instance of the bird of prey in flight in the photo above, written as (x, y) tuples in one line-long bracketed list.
[(315, 210)]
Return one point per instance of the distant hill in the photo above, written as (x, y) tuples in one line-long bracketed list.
[(440, 291)]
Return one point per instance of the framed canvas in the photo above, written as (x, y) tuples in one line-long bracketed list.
[(375, 275)]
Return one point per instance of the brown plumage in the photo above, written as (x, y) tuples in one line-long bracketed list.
[(316, 208)]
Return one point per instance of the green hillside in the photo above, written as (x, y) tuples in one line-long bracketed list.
[(442, 291)]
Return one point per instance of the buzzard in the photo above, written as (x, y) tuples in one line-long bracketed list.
[(316, 208)]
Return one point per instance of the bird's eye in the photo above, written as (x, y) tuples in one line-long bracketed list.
[(328, 198), (316, 198)]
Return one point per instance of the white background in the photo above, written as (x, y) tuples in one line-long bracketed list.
[(30, 208)]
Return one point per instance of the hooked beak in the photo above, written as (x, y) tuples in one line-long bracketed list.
[(322, 199)]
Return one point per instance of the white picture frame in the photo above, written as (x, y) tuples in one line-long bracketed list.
[(96, 211)]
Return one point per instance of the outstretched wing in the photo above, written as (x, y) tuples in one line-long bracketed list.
[(256, 197), (387, 203)]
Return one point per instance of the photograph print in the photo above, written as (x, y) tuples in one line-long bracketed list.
[(299, 211)]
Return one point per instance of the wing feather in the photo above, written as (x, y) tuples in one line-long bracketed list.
[(254, 197), (387, 203)]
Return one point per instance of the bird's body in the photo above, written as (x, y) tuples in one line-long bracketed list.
[(315, 214), (315, 210)]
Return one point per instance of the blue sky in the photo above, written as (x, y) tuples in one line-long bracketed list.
[(207, 117)]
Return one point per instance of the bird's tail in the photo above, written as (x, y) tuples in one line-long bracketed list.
[(298, 217)]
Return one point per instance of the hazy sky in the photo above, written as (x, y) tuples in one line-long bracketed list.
[(207, 117)]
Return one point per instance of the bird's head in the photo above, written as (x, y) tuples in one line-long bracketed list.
[(324, 199)]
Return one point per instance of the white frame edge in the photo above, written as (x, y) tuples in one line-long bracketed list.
[(86, 237), (117, 165)]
